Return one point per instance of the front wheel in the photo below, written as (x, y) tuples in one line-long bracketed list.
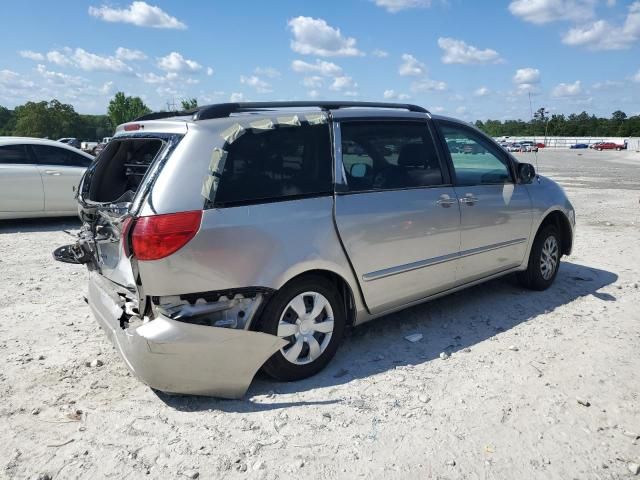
[(544, 260), (309, 314)]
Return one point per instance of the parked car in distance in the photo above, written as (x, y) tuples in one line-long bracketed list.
[(249, 235), (540, 145), (609, 146), (88, 147), (39, 178), (529, 146), (101, 145), (72, 142), (579, 145), (514, 147)]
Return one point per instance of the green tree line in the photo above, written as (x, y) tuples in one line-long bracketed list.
[(574, 125), (54, 119)]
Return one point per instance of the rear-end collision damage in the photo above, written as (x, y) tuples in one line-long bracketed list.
[(191, 343)]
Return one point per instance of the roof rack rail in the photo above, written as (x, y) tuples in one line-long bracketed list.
[(221, 110)]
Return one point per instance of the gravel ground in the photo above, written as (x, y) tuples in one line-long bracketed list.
[(537, 385)]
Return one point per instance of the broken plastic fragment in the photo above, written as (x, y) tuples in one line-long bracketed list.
[(209, 186), (316, 118), (289, 121), (218, 159), (265, 124), (233, 133)]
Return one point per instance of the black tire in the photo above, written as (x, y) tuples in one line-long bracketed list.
[(278, 366), (533, 277)]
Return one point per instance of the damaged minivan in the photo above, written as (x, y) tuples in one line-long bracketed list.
[(241, 236)]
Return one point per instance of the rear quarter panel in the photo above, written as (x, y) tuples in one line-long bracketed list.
[(258, 245)]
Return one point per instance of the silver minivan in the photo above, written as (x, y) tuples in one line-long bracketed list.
[(243, 236)]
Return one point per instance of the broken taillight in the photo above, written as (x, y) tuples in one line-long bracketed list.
[(158, 236)]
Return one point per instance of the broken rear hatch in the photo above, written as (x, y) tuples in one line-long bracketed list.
[(109, 196)]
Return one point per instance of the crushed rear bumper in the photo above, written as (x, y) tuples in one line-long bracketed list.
[(178, 357)]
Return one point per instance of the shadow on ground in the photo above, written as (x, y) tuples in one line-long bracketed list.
[(448, 324), (39, 225)]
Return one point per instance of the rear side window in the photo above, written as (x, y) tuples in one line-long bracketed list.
[(48, 155), (282, 163), (16, 154), (389, 155)]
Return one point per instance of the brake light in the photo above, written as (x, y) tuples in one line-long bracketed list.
[(132, 127), (158, 236)]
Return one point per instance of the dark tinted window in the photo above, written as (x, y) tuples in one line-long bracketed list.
[(14, 154), (389, 155), (475, 159), (48, 155), (285, 162)]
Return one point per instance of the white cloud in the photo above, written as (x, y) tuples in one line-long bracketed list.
[(153, 78), (127, 54), (256, 82), (411, 67), (567, 89), (14, 81), (342, 83), (380, 53), (603, 35), (313, 81), (138, 13), (428, 85), (461, 110), (31, 55), (393, 95), (209, 71), (395, 6), (236, 97), (437, 109), (526, 76), (95, 63), (458, 51), (482, 92), (545, 11), (313, 36), (313, 93), (328, 69), (175, 62), (607, 84), (636, 77), (59, 58), (59, 79), (268, 72)]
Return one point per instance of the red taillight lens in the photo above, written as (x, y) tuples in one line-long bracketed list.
[(158, 236)]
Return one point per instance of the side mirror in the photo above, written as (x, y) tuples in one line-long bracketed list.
[(358, 170), (526, 172)]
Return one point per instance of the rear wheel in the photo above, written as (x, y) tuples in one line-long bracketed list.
[(309, 314), (544, 260)]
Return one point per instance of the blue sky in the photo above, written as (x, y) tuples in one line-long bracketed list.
[(469, 59)]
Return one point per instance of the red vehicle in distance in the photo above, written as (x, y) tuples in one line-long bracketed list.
[(608, 146)]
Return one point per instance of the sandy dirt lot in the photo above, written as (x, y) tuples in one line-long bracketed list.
[(538, 385)]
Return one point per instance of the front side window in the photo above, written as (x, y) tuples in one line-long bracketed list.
[(48, 155), (384, 155), (475, 160), (280, 163), (15, 154)]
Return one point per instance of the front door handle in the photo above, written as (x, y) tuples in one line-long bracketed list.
[(52, 172), (446, 201), (469, 199)]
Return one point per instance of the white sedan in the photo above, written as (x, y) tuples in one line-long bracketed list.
[(39, 178)]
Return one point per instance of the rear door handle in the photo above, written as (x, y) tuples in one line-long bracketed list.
[(52, 172), (446, 201)]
